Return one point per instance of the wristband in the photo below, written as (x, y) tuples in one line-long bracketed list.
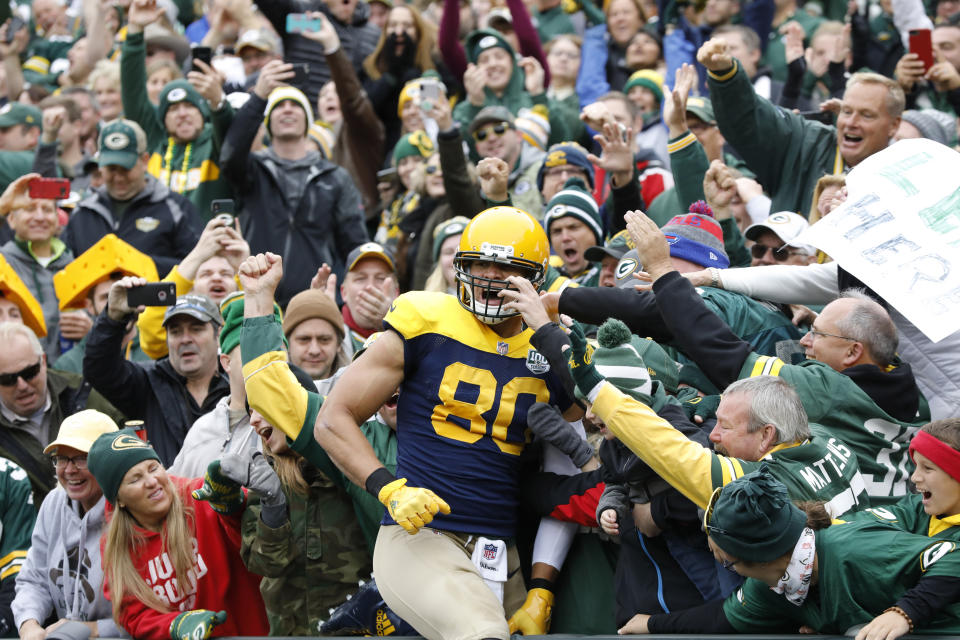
[(377, 481), (903, 613)]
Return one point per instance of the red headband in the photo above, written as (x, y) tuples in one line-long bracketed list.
[(938, 452)]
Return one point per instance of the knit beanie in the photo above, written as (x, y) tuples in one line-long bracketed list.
[(927, 125), (534, 125), (946, 120), (112, 455), (312, 303), (697, 237), (483, 39), (649, 79), (574, 200), (231, 308), (417, 143), (280, 94), (753, 518), (452, 227), (563, 153), (181, 91), (632, 363)]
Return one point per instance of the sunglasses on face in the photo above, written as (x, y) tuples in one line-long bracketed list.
[(432, 169), (497, 130), (780, 255), (27, 373)]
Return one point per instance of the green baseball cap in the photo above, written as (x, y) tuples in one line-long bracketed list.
[(121, 143), (702, 108), (14, 113)]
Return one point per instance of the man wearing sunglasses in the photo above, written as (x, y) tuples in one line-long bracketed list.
[(773, 240), (34, 400), (495, 135)]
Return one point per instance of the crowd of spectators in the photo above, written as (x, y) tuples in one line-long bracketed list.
[(738, 387)]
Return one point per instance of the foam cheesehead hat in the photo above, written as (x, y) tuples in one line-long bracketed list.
[(108, 256), (563, 153), (280, 94), (181, 91), (574, 200), (647, 78), (631, 363), (13, 289), (231, 310), (697, 237), (753, 518), (112, 455), (81, 430)]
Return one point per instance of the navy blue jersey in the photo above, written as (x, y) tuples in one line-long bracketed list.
[(462, 415)]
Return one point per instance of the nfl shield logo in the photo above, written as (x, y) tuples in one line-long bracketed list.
[(503, 348), (489, 552)]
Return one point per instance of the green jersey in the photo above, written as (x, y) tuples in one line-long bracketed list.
[(837, 407), (908, 515), (17, 517), (864, 567), (818, 469)]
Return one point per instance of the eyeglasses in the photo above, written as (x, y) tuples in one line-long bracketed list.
[(498, 130), (432, 169), (780, 255), (80, 462), (817, 334), (569, 55), (27, 373)]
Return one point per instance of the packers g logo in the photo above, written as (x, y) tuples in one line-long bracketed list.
[(779, 218), (556, 158), (934, 552), (124, 442), (146, 224), (116, 141), (625, 268), (176, 94)]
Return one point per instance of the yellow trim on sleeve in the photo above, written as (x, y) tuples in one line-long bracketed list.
[(766, 366), (727, 75), (682, 143), (274, 392), (684, 464)]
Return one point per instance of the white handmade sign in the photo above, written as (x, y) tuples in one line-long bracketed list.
[(899, 232)]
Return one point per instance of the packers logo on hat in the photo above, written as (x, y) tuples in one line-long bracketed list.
[(779, 218), (124, 441), (177, 94), (487, 42), (625, 268), (116, 141), (556, 158)]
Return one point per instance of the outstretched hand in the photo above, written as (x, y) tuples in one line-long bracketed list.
[(650, 244)]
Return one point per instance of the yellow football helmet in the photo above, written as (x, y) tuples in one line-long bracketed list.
[(503, 235)]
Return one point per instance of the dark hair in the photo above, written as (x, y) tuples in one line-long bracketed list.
[(817, 516), (73, 111), (750, 38)]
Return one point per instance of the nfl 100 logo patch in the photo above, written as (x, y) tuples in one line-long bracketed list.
[(536, 362)]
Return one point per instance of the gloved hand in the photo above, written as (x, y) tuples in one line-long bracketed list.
[(548, 424), (700, 409), (223, 493), (255, 474), (411, 507), (580, 362), (196, 625), (533, 618)]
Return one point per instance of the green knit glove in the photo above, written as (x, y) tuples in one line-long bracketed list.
[(580, 362), (223, 494), (196, 625)]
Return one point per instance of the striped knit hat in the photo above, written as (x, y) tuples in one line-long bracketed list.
[(280, 94), (574, 200), (618, 359), (697, 237)]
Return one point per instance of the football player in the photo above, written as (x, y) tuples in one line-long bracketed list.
[(467, 375)]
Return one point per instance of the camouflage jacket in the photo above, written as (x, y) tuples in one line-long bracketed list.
[(309, 564)]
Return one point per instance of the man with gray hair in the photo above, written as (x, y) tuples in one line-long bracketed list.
[(852, 382), (787, 152), (34, 400), (133, 204)]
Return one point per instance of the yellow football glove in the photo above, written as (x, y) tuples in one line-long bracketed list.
[(411, 507), (533, 618)]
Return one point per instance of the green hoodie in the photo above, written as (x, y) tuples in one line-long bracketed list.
[(203, 181), (564, 123)]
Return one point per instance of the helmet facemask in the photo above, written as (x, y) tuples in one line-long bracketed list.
[(488, 306)]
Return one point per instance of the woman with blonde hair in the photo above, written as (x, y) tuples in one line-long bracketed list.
[(171, 557)]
